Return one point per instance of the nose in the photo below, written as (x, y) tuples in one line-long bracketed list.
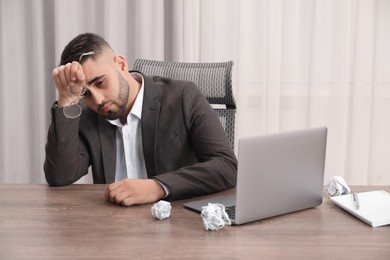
[(95, 97)]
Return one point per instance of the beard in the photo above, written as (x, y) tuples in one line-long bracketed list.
[(121, 101)]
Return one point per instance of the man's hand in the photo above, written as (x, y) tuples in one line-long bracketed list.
[(128, 192), (67, 76)]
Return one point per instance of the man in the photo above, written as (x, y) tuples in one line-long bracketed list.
[(147, 137)]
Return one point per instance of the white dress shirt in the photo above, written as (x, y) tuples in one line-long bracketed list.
[(130, 161)]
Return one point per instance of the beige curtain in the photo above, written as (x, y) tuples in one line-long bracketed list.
[(311, 63), (298, 64)]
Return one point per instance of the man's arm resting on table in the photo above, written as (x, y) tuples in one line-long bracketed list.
[(216, 166), (66, 159)]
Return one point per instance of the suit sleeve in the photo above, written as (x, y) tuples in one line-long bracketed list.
[(67, 159), (215, 168)]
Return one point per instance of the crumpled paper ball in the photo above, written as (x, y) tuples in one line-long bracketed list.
[(214, 216), (337, 186), (161, 210)]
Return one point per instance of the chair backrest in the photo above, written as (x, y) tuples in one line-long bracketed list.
[(213, 79)]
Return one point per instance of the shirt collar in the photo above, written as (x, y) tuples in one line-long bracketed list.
[(137, 106)]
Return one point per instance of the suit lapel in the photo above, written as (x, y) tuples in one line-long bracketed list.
[(107, 134), (149, 122)]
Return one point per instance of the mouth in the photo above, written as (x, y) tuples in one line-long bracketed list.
[(104, 109)]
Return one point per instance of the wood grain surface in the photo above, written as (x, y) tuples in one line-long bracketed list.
[(75, 222)]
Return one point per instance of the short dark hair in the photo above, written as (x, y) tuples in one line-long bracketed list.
[(83, 43)]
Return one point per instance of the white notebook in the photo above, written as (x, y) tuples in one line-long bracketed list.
[(374, 206)]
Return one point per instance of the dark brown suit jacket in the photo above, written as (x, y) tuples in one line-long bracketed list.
[(185, 146)]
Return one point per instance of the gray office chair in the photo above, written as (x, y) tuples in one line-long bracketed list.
[(213, 80)]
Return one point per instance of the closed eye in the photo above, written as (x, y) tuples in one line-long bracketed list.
[(99, 83), (95, 79), (87, 93)]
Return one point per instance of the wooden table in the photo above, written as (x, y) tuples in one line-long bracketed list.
[(42, 222)]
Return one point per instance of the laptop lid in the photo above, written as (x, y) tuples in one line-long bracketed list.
[(277, 174)]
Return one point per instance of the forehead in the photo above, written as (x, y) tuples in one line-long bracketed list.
[(98, 66)]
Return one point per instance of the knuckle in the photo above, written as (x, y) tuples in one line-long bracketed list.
[(126, 203), (55, 72)]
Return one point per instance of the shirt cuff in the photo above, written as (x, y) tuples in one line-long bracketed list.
[(166, 189)]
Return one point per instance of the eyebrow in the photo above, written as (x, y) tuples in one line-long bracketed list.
[(89, 83)]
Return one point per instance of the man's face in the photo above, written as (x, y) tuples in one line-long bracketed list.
[(108, 91)]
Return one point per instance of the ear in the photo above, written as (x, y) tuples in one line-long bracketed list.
[(121, 62)]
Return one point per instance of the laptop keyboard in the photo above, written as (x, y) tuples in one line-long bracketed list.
[(231, 211)]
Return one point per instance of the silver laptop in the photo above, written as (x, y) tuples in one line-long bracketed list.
[(277, 174)]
